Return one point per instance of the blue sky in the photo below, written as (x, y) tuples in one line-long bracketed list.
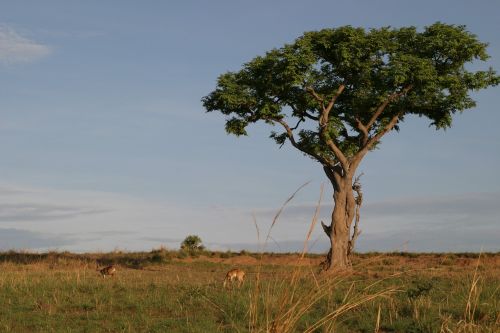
[(106, 145)]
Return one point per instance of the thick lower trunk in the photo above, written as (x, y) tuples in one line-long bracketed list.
[(339, 230), (340, 245)]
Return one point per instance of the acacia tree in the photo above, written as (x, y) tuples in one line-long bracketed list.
[(335, 93)]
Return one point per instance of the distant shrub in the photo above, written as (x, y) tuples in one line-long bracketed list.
[(192, 244), (409, 254), (160, 255), (182, 254), (158, 258), (227, 254), (469, 255)]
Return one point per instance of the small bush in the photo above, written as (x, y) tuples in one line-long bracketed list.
[(226, 254), (192, 243)]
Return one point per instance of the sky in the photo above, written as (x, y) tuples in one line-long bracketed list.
[(105, 144)]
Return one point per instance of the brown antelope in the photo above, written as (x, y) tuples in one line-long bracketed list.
[(234, 274), (109, 270)]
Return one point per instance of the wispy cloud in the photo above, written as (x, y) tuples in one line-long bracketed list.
[(42, 212), (439, 240), (91, 221), (11, 238), (465, 222), (15, 48), (163, 239), (483, 204), (7, 191), (457, 210), (101, 221)]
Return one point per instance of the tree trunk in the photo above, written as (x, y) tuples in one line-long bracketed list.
[(339, 230)]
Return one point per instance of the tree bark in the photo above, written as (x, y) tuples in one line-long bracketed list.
[(342, 216)]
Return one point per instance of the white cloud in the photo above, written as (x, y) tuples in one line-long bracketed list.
[(100, 221), (15, 48), (81, 221)]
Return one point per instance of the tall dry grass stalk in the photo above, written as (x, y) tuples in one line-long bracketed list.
[(473, 298), (377, 324), (254, 297), (468, 324), (284, 302)]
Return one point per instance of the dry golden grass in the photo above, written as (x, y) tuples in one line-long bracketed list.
[(63, 292)]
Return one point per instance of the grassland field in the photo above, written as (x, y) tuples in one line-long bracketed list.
[(174, 291)]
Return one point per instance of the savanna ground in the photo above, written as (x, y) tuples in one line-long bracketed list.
[(169, 291)]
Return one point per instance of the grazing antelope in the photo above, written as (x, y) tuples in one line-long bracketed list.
[(234, 274), (109, 270)]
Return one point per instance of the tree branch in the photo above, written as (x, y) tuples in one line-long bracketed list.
[(360, 154), (310, 116), (317, 97), (323, 121), (304, 113), (387, 128), (338, 153), (382, 107), (297, 125), (363, 130), (356, 187), (327, 229), (294, 143), (323, 124)]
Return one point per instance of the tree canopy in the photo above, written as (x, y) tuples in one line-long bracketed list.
[(373, 78)]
